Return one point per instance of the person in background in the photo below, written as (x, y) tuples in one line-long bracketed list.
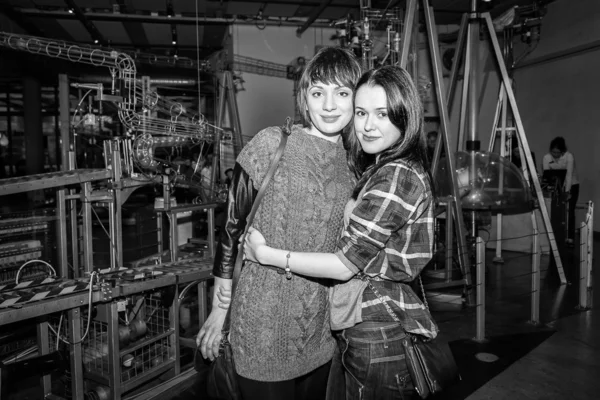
[(431, 141), (387, 240), (228, 176), (560, 158), (280, 332)]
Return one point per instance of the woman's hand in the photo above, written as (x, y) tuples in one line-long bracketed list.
[(254, 241)]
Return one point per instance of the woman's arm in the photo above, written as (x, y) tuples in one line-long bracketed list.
[(546, 161), (569, 176), (317, 265), (239, 203)]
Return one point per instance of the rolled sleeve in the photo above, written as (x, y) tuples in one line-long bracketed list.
[(392, 200)]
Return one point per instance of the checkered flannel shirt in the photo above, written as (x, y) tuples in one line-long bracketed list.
[(389, 237)]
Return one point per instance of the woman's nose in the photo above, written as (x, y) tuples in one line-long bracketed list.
[(329, 103), (368, 123)]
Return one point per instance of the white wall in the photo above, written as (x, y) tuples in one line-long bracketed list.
[(560, 97), (269, 100)]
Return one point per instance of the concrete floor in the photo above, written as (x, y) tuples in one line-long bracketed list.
[(555, 359)]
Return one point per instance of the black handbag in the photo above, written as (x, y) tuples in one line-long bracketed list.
[(430, 362), (221, 382)]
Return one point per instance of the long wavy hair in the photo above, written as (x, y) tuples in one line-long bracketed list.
[(405, 112)]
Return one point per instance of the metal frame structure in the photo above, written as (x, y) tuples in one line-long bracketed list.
[(468, 40), (136, 103)]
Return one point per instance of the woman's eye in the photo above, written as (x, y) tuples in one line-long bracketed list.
[(359, 113), (382, 115), (316, 94), (345, 94)]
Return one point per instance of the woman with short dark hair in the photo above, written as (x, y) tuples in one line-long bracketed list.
[(280, 334)]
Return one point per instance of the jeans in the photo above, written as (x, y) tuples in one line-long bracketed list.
[(369, 364)]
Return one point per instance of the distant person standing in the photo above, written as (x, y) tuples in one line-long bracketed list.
[(560, 158), (431, 142)]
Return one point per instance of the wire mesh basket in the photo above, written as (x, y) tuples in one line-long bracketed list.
[(144, 344)]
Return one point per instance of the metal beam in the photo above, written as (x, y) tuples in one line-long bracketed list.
[(134, 30), (313, 17), (160, 19), (18, 19), (89, 26)]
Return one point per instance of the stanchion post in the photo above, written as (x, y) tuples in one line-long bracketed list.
[(480, 291), (583, 267), (449, 265), (590, 253), (535, 279)]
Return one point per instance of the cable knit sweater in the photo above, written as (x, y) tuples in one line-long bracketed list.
[(280, 328)]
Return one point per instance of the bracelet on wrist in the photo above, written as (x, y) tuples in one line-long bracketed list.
[(288, 271)]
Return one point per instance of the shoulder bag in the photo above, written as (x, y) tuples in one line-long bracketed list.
[(429, 361), (221, 379)]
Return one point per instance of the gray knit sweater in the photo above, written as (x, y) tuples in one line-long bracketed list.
[(280, 328)]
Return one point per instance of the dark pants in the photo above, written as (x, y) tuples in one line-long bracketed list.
[(369, 364), (572, 203), (311, 386)]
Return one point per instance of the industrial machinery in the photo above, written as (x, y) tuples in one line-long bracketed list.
[(118, 327)]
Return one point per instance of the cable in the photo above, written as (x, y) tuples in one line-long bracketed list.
[(89, 321), (32, 261)]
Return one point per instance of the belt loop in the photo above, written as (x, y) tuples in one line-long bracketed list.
[(385, 339)]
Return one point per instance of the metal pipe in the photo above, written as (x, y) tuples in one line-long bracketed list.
[(156, 81), (525, 146), (474, 39), (535, 279), (480, 313), (163, 19), (583, 267), (64, 117)]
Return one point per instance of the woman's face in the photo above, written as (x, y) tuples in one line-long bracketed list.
[(374, 129), (556, 153), (330, 108)]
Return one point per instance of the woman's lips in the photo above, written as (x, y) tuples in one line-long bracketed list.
[(329, 119), (369, 138)]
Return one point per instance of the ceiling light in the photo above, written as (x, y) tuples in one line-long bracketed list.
[(71, 11), (96, 41), (174, 42)]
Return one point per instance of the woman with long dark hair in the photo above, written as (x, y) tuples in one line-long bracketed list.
[(386, 242)]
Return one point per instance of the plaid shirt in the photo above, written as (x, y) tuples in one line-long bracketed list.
[(389, 237)]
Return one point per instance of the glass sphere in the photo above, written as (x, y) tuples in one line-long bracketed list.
[(486, 182)]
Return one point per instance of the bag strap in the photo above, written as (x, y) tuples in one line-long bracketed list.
[(387, 306), (286, 130)]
